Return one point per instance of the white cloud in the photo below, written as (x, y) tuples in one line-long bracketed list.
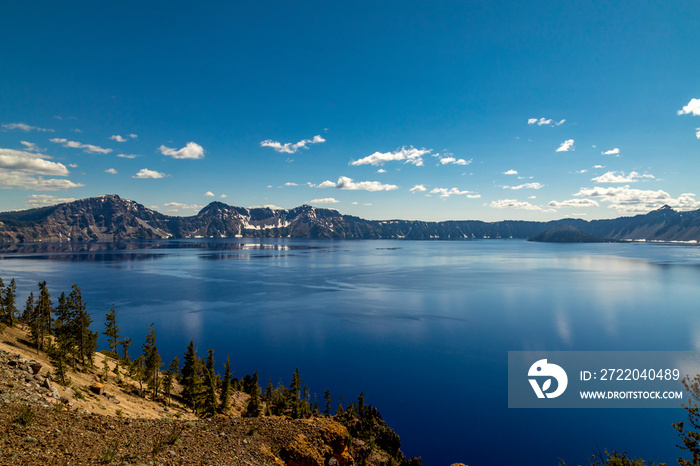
[(325, 200), (22, 180), (515, 204), (626, 199), (128, 156), (176, 206), (289, 183), (583, 170), (43, 200), (146, 173), (209, 194), (290, 148), (381, 170), (615, 152), (30, 146), (25, 127), (526, 186), (407, 155), (544, 121), (418, 188), (566, 146), (223, 196), (191, 151), (347, 183), (30, 162), (445, 193), (598, 166), (118, 138), (697, 133), (452, 160), (693, 107), (111, 171), (510, 172), (574, 203), (73, 165), (620, 177), (89, 148)]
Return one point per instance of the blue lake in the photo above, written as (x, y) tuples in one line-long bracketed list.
[(423, 328)]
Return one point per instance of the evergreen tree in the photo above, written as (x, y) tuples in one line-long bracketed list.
[(340, 410), (327, 397), (2, 301), (62, 349), (125, 344), (191, 380), (254, 408), (225, 387), (9, 303), (111, 329), (152, 362), (210, 404), (85, 340), (29, 310), (40, 320), (294, 395), (168, 378), (138, 372)]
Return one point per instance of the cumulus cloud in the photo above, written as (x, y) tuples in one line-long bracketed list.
[(128, 156), (598, 166), (325, 200), (630, 200), (25, 127), (191, 151), (290, 148), (515, 204), (445, 193), (510, 172), (223, 196), (526, 186), (615, 152), (146, 173), (31, 147), (405, 154), (566, 146), (289, 183), (22, 180), (697, 133), (418, 188), (620, 177), (111, 171), (544, 121), (118, 138), (43, 200), (452, 160), (347, 183), (89, 148), (693, 108), (209, 194), (381, 170), (30, 162), (574, 203)]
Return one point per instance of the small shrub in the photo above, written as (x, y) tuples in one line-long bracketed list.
[(120, 413), (25, 416), (170, 439)]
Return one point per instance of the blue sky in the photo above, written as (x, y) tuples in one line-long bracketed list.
[(414, 110)]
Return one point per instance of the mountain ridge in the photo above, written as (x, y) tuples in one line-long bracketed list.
[(110, 218)]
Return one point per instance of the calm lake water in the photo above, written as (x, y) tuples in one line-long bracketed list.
[(423, 328)]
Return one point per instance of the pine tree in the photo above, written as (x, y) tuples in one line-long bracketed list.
[(225, 387), (254, 407), (62, 349), (152, 362), (111, 329), (191, 381), (29, 310), (125, 344), (168, 377), (210, 404), (40, 321), (9, 303), (327, 397), (85, 340), (138, 372), (294, 394)]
